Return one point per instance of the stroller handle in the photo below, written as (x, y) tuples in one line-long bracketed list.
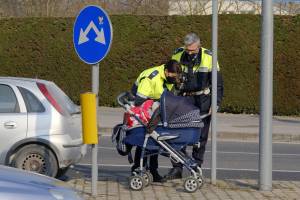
[(121, 99), (125, 100), (205, 115)]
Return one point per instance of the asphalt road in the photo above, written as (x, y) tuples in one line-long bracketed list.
[(235, 160)]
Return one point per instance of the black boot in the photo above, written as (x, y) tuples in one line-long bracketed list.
[(157, 178), (174, 173)]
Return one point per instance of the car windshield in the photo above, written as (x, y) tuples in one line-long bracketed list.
[(63, 100)]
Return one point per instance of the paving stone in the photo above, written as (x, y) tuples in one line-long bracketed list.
[(233, 194), (137, 195), (112, 189), (246, 195), (279, 194)]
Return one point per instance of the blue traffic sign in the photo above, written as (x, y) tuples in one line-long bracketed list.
[(92, 34)]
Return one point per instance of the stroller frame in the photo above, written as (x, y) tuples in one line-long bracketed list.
[(142, 178)]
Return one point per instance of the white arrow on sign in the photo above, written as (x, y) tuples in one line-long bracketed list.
[(83, 34)]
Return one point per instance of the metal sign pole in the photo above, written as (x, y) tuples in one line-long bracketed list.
[(95, 90), (91, 49), (214, 92), (266, 98)]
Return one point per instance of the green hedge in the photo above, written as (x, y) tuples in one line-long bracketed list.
[(42, 48)]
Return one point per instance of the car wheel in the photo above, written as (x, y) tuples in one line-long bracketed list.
[(62, 171), (36, 158)]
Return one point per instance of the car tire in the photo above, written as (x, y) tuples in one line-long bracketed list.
[(36, 158), (61, 172)]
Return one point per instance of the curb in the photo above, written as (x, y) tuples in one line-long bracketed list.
[(233, 136)]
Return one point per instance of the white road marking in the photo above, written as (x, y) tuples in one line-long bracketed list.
[(231, 140), (167, 167), (222, 152)]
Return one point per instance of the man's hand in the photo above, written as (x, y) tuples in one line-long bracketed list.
[(210, 110)]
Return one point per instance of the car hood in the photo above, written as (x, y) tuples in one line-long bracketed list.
[(20, 184)]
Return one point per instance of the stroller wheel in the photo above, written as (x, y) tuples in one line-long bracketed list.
[(200, 180), (136, 182), (191, 184), (148, 178)]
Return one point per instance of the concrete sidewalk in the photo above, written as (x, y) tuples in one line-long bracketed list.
[(110, 188), (230, 126)]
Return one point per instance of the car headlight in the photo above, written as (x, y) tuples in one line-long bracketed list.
[(60, 194)]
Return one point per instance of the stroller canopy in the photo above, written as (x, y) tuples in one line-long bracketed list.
[(179, 112)]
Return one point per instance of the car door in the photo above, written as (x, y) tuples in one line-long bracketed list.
[(13, 118), (39, 120)]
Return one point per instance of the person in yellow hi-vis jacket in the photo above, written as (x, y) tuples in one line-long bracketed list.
[(150, 85), (196, 62)]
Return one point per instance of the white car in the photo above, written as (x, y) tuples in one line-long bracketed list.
[(18, 184), (40, 127)]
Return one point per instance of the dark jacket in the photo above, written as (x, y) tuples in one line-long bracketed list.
[(197, 70)]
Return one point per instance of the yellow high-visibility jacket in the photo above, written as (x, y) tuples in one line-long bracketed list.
[(152, 82)]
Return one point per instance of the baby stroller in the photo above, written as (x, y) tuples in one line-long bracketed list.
[(175, 124)]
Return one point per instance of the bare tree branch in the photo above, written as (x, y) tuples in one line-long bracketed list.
[(70, 8)]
